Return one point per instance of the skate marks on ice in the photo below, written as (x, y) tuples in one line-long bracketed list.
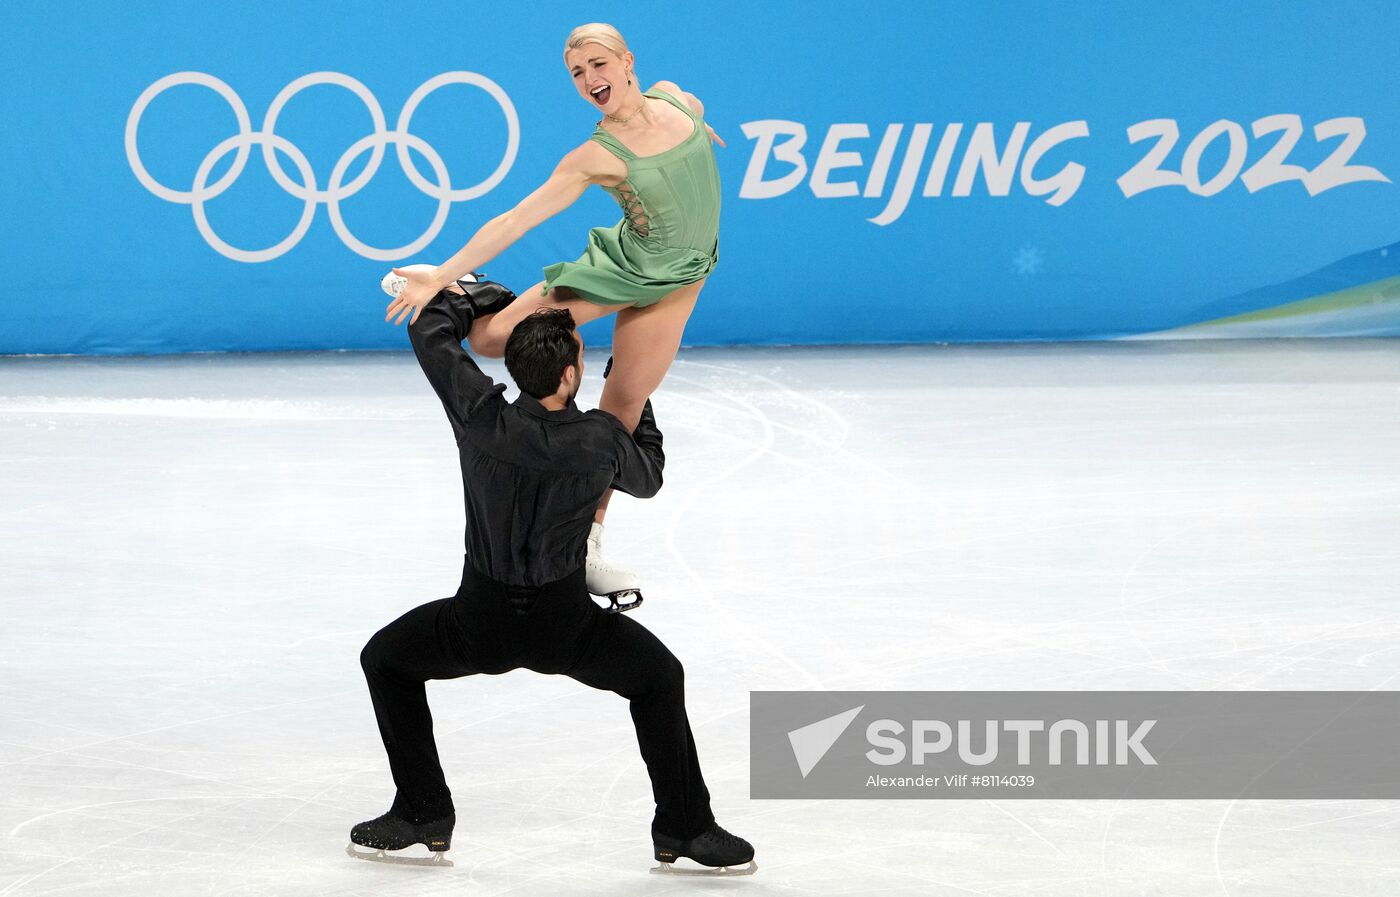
[(730, 401), (1164, 557), (181, 711)]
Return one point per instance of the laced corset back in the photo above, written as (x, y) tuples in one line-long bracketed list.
[(632, 209)]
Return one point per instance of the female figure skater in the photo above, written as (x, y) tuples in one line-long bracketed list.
[(651, 151)]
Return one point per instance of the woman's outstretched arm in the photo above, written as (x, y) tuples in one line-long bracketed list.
[(582, 166)]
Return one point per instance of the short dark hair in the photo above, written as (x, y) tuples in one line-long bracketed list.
[(540, 348)]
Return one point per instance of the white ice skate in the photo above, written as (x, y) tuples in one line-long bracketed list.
[(620, 586), (393, 284)]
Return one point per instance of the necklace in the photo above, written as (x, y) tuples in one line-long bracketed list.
[(623, 121)]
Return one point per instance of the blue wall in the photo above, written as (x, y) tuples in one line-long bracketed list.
[(99, 263)]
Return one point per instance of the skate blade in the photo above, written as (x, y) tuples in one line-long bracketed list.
[(379, 856), (621, 603), (712, 871)]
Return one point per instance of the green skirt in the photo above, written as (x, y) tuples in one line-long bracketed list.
[(620, 268)]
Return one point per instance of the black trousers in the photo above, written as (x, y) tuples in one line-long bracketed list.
[(489, 627)]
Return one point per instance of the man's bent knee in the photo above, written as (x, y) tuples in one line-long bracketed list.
[(672, 674), (373, 656)]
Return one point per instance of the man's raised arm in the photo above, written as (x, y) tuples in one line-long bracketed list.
[(639, 456), (437, 337)]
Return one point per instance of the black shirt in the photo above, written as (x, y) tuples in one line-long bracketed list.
[(531, 478)]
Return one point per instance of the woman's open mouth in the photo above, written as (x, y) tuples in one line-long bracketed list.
[(601, 95)]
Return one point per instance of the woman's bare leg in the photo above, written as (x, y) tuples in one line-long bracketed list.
[(645, 341), (489, 334)]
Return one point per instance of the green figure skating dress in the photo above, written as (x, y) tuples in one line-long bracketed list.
[(669, 232)]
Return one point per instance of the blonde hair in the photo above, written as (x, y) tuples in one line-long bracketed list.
[(596, 33)]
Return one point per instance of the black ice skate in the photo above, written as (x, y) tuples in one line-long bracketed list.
[(716, 848), (390, 832)]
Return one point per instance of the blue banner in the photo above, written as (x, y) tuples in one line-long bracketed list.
[(239, 176)]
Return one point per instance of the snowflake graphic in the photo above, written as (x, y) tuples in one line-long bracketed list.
[(1028, 260)]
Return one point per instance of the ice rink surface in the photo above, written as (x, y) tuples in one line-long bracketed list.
[(196, 548)]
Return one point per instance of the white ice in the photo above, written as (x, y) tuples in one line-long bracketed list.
[(195, 549)]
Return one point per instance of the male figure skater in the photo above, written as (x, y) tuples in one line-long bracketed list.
[(533, 471)]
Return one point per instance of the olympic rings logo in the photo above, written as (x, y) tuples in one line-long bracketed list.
[(336, 189)]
